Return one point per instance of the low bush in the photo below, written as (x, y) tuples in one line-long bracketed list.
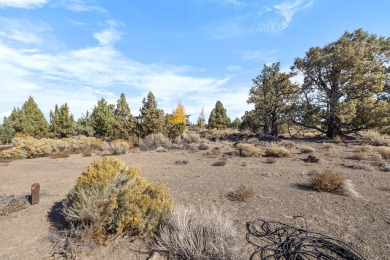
[(197, 233), (328, 181), (113, 199), (59, 155), (384, 152), (363, 148), (153, 141), (375, 138), (248, 150), (219, 163), (271, 160), (203, 146), (307, 149), (358, 166), (120, 146), (357, 156), (288, 144), (243, 193), (161, 150), (277, 151)]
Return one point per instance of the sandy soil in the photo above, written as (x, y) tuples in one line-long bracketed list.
[(281, 192)]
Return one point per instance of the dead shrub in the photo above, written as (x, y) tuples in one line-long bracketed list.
[(215, 152), (358, 166), (363, 148), (277, 151), (307, 149), (64, 154), (248, 150), (357, 156), (197, 233), (86, 152), (243, 193), (328, 182), (219, 163), (288, 144), (10, 204), (384, 152), (203, 146), (271, 160), (328, 146)]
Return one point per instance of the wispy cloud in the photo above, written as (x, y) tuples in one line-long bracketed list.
[(257, 18), (108, 36), (83, 6), (22, 3), (258, 55)]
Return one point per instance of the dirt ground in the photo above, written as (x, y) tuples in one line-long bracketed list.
[(281, 192)]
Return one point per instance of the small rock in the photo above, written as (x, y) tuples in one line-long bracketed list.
[(312, 158)]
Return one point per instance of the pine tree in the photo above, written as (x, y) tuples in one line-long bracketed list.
[(84, 125), (18, 120), (201, 123), (6, 131), (152, 117), (218, 118), (35, 124), (103, 119), (125, 123), (62, 123)]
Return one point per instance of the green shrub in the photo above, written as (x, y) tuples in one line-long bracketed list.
[(113, 199), (248, 150), (120, 146)]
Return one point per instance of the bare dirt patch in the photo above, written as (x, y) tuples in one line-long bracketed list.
[(281, 191)]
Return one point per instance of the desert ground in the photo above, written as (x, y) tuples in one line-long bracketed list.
[(281, 191)]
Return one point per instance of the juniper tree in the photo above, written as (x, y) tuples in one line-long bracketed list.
[(6, 131), (342, 81), (62, 123), (102, 119), (218, 118), (125, 123), (152, 118), (84, 125), (273, 95), (251, 121), (35, 123)]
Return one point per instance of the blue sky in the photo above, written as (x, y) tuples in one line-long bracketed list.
[(195, 51)]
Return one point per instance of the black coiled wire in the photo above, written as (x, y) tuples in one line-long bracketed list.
[(294, 243)]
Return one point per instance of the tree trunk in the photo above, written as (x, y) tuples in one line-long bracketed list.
[(334, 126)]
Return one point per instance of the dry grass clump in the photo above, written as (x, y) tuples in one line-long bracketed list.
[(190, 137), (152, 141), (358, 166), (271, 160), (112, 199), (328, 146), (58, 155), (197, 233), (277, 151), (86, 152), (307, 149), (219, 163), (363, 148), (376, 138), (243, 193), (120, 146), (384, 152), (357, 156), (161, 150), (288, 144), (215, 152), (328, 181), (203, 146), (10, 204), (248, 150)]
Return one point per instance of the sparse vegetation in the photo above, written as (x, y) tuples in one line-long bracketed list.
[(120, 146), (10, 204), (113, 199), (64, 154), (328, 182), (357, 156), (358, 166), (219, 163), (384, 152), (243, 193), (375, 138), (248, 150), (197, 233), (277, 151), (271, 160), (363, 148), (307, 149)]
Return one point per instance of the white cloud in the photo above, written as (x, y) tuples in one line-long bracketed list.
[(22, 31), (234, 68), (258, 55), (22, 3), (82, 6), (259, 18), (108, 36)]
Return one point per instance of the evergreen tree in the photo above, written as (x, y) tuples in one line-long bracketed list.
[(236, 123), (62, 123), (343, 80), (6, 131), (18, 120), (201, 123), (103, 119), (273, 95), (125, 123), (152, 118), (84, 125), (35, 124), (218, 118), (251, 121)]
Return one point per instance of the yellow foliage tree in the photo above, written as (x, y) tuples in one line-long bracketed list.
[(179, 115)]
